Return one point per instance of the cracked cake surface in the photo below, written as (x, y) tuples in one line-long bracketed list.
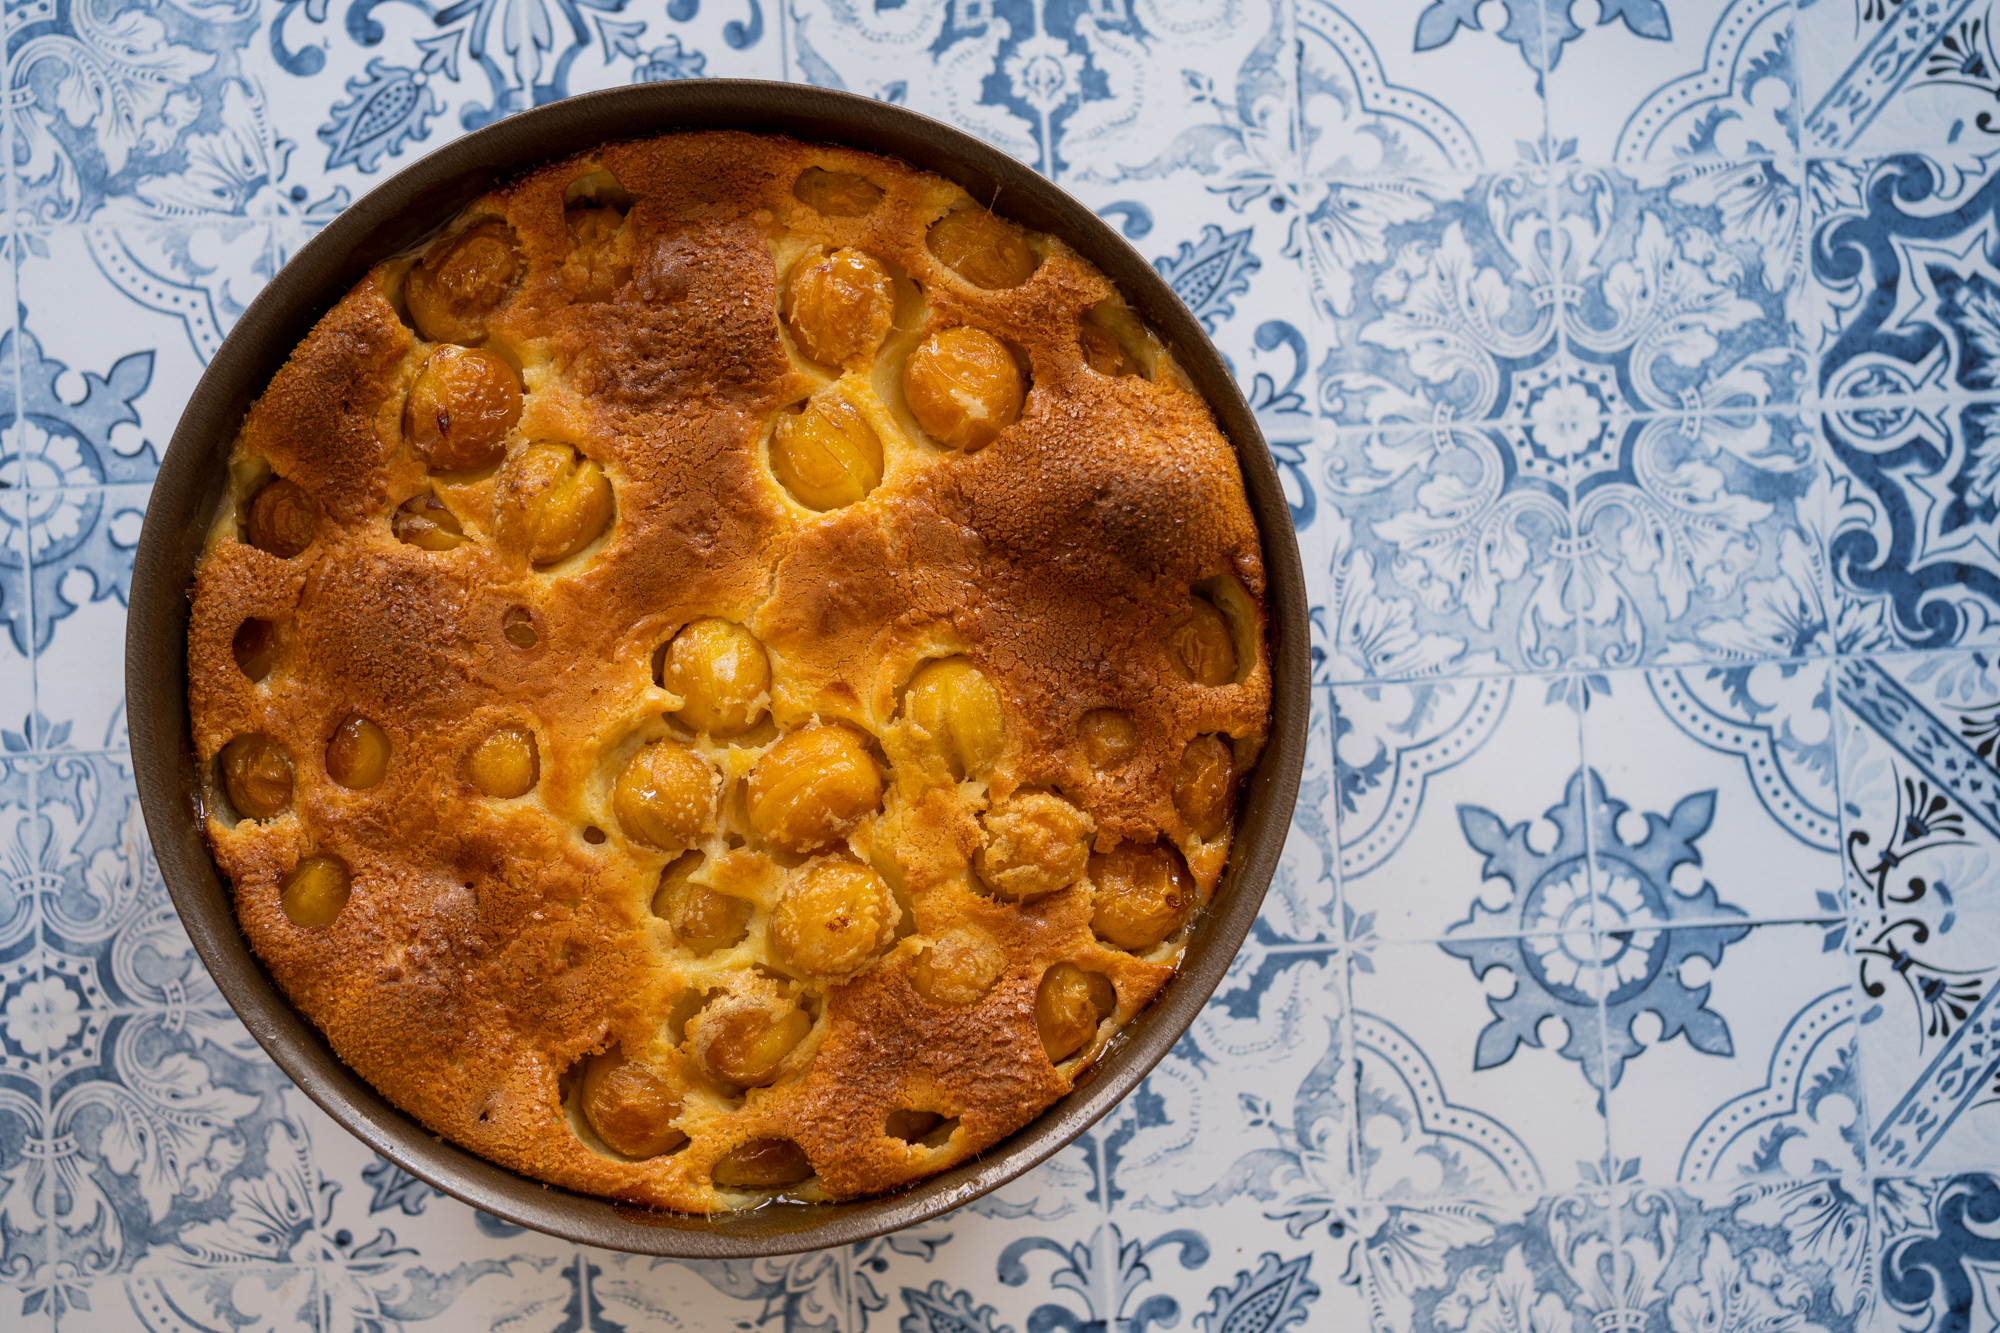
[(725, 675)]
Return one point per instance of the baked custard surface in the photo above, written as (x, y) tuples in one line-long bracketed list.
[(725, 676)]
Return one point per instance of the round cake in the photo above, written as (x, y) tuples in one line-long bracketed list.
[(724, 677)]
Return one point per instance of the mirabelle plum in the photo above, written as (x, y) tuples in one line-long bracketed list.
[(1200, 648), (358, 755), (722, 672), (255, 647), (952, 711), (911, 1126), (1069, 1005), (836, 194), (665, 798), (506, 764), (1142, 894), (982, 249), (631, 1106), (1206, 784), (958, 967), (1036, 844), (553, 502), (826, 454), (1109, 737), (703, 918), (454, 291), (963, 387), (257, 774), (315, 892), (743, 1035), (812, 788), (422, 521), (594, 268), (461, 406), (1102, 351), (839, 307), (832, 918), (761, 1164), (518, 628), (283, 519)]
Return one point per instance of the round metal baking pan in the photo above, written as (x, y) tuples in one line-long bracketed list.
[(393, 217)]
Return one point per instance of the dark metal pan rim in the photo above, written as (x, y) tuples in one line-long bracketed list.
[(391, 219)]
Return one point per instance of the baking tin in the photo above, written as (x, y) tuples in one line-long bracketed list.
[(394, 217)]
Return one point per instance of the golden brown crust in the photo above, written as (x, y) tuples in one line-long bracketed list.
[(489, 944)]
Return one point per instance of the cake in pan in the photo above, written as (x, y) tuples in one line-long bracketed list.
[(724, 677)]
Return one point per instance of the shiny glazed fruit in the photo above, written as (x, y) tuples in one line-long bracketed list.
[(963, 387), (1142, 894), (743, 1039), (631, 1106), (665, 798), (812, 788), (839, 307), (518, 628), (723, 674), (506, 764), (982, 249), (282, 520), (702, 918), (255, 647), (315, 892), (422, 521), (358, 755), (594, 269), (453, 293), (958, 967), (1069, 1005), (257, 773), (832, 918), (761, 1164), (1109, 737), (1036, 844), (1205, 785), (911, 1126), (836, 194), (553, 502), (1200, 647), (461, 406), (826, 455), (952, 711)]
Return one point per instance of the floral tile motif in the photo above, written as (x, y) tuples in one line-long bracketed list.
[(1709, 81), (1417, 767), (1921, 798), (1108, 90), (1937, 1251), (1472, 1082), (82, 542), (1394, 90), (1888, 77), (1774, 1092), (1720, 793)]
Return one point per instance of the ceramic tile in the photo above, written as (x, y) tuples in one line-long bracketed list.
[(1718, 799), (1479, 1069), (1629, 371), (1453, 800), (1747, 1069), (1918, 796), (83, 541), (1392, 90), (1713, 80)]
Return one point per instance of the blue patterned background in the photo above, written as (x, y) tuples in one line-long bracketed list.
[(1633, 367)]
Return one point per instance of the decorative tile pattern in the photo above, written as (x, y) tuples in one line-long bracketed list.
[(1631, 372)]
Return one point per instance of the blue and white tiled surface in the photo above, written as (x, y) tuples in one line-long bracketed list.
[(1634, 370)]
